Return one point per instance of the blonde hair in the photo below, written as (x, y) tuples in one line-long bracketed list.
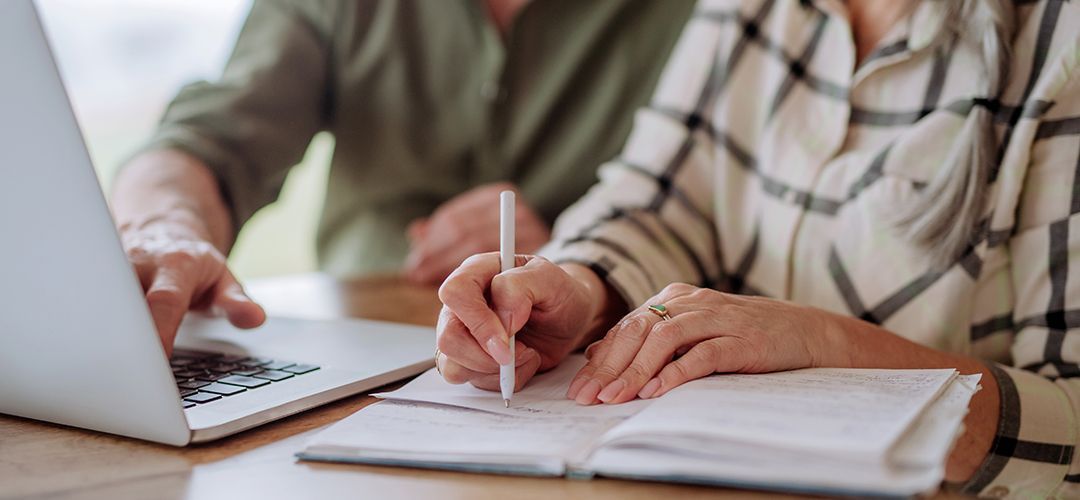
[(946, 217)]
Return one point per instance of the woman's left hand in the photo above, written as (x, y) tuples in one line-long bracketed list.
[(709, 332)]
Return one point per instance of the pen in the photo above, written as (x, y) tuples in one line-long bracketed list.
[(506, 258)]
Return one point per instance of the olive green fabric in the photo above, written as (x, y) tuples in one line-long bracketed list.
[(425, 100)]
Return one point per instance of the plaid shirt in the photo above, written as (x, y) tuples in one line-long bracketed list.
[(765, 164)]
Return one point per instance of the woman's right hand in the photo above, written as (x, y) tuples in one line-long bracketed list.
[(541, 306)]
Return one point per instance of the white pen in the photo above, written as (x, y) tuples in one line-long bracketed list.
[(506, 258)]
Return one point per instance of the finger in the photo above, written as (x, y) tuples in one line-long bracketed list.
[(624, 341), (516, 291), (722, 354), (454, 340), (454, 372), (528, 363), (660, 346), (430, 266), (417, 228), (463, 292), (231, 299), (169, 298)]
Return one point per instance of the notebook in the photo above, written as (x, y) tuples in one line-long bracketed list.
[(825, 431)]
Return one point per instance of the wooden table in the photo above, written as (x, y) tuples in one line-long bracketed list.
[(39, 460)]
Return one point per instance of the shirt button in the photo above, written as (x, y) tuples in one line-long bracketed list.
[(998, 492)]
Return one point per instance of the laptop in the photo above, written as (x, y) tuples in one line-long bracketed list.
[(77, 344)]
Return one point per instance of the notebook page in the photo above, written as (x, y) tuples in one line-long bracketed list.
[(545, 394), (928, 441), (857, 414), (422, 433), (924, 450)]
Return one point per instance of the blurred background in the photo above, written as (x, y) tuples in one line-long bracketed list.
[(123, 61)]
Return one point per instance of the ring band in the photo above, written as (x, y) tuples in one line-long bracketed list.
[(660, 310), (437, 353)]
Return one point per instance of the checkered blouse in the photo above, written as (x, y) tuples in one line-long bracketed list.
[(765, 164)]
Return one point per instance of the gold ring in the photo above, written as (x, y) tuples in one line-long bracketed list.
[(437, 353), (660, 310)]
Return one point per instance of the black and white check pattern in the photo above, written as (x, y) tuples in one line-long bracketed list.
[(770, 163)]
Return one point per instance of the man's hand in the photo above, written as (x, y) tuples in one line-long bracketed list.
[(181, 271), (175, 227), (468, 224)]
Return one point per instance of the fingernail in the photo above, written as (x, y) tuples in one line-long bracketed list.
[(649, 389), (588, 392), (500, 351), (575, 387), (611, 391), (506, 320)]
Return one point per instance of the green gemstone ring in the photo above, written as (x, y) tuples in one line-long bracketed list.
[(660, 310)]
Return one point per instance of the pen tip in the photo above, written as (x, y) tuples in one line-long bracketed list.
[(506, 402)]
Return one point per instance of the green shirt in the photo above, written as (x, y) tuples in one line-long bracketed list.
[(425, 100)]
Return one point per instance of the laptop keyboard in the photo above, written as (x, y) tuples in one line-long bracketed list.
[(205, 377)]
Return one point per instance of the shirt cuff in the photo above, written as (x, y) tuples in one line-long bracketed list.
[(1035, 441), (618, 271), (225, 166)]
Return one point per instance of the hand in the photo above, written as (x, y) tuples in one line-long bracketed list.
[(709, 332), (180, 270), (544, 308), (466, 225)]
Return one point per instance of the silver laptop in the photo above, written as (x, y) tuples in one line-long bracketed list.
[(77, 344)]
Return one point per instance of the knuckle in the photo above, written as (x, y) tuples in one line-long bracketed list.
[(455, 373), (605, 372), (166, 297), (711, 351), (451, 291), (678, 371), (667, 331), (636, 372), (675, 289)]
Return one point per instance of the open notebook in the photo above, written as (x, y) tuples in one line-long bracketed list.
[(833, 431)]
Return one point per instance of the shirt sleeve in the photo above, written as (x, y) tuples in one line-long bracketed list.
[(256, 122), (649, 221), (1035, 451)]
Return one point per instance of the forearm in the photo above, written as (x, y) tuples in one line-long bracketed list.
[(870, 346), (173, 187)]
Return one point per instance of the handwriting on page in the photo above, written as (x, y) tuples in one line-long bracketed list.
[(545, 394), (828, 410), (428, 430)]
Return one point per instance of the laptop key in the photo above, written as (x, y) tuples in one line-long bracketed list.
[(231, 358), (187, 392), (255, 361), (247, 372), (223, 389), (186, 374), (187, 404), (300, 369), (248, 382), (277, 365), (181, 362), (273, 375), (211, 376), (202, 397), (192, 384)]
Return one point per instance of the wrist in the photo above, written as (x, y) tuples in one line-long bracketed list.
[(831, 345), (605, 306)]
